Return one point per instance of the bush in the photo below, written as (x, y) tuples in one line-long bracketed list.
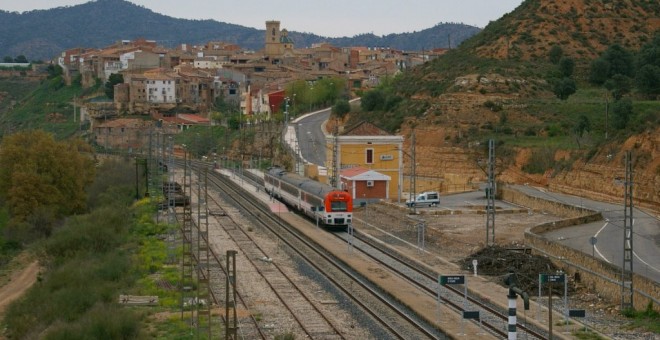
[(541, 160), (341, 108), (622, 112), (564, 88)]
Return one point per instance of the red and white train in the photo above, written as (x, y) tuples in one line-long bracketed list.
[(317, 200)]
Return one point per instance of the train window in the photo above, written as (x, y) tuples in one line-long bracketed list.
[(338, 206)]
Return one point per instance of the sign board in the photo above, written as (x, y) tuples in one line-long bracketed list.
[(452, 280), (593, 240), (552, 278), (471, 314), (576, 313), (386, 157)]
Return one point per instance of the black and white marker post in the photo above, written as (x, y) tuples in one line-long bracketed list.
[(514, 291)]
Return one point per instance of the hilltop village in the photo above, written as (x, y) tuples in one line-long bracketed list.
[(178, 87)]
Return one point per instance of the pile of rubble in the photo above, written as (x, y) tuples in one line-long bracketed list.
[(497, 261)]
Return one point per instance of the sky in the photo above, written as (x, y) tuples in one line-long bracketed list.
[(328, 18)]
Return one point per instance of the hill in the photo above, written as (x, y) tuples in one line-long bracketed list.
[(501, 84), (43, 34), (583, 28)]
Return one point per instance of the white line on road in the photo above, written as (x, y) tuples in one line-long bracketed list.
[(596, 248)]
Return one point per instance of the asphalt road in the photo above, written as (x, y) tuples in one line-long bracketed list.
[(311, 138), (609, 233)]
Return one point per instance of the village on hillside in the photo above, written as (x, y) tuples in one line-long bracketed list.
[(178, 87)]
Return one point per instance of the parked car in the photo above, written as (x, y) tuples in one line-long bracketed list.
[(430, 198)]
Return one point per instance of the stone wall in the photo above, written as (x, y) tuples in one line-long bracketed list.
[(539, 204), (599, 275)]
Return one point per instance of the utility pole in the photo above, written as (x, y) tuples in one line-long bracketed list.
[(607, 104), (627, 268), (413, 177), (335, 181), (490, 195), (203, 320)]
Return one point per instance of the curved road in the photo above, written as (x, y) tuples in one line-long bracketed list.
[(609, 233), (311, 137)]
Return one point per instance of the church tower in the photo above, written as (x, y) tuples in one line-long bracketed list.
[(272, 43)]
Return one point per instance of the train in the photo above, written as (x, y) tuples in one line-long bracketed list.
[(332, 207)]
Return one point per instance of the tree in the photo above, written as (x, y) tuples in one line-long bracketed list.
[(599, 72), (373, 100), (566, 66), (564, 88), (341, 108), (621, 61), (113, 80), (41, 176), (648, 80), (7, 59), (649, 54), (583, 125), (21, 59), (622, 112), (54, 71), (555, 54), (619, 85)]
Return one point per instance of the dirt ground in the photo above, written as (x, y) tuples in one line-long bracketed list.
[(17, 278)]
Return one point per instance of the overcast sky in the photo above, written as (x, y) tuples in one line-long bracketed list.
[(329, 18)]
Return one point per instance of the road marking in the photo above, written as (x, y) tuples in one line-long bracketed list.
[(596, 248), (644, 262), (640, 259)]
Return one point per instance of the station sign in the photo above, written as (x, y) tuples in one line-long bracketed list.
[(452, 280), (553, 278)]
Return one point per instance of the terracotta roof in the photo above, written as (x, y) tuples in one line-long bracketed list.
[(365, 129), (352, 172), (193, 118), (125, 122)]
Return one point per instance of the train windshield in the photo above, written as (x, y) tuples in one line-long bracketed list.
[(338, 206)]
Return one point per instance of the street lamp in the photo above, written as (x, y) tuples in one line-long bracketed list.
[(311, 88)]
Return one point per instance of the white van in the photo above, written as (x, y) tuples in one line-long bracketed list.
[(431, 198)]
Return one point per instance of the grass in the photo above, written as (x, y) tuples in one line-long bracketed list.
[(48, 107), (583, 334), (91, 260), (647, 319)]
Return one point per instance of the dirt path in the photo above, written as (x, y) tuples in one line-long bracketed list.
[(20, 281)]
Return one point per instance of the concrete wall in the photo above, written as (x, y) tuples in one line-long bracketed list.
[(595, 273)]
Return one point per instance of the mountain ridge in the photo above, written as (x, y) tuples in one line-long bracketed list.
[(103, 22)]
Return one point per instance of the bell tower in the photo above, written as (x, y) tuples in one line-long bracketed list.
[(272, 43)]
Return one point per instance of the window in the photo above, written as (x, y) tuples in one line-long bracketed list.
[(338, 206), (370, 184), (370, 156)]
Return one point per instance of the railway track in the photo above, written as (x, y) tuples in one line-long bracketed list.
[(398, 322), (314, 323), (492, 317)]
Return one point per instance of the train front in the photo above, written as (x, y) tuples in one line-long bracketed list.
[(338, 209)]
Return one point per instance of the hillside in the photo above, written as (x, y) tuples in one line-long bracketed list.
[(582, 28), (43, 34), (484, 90)]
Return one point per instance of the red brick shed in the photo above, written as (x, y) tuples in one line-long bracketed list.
[(365, 184)]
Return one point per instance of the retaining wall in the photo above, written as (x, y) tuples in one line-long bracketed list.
[(597, 274)]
